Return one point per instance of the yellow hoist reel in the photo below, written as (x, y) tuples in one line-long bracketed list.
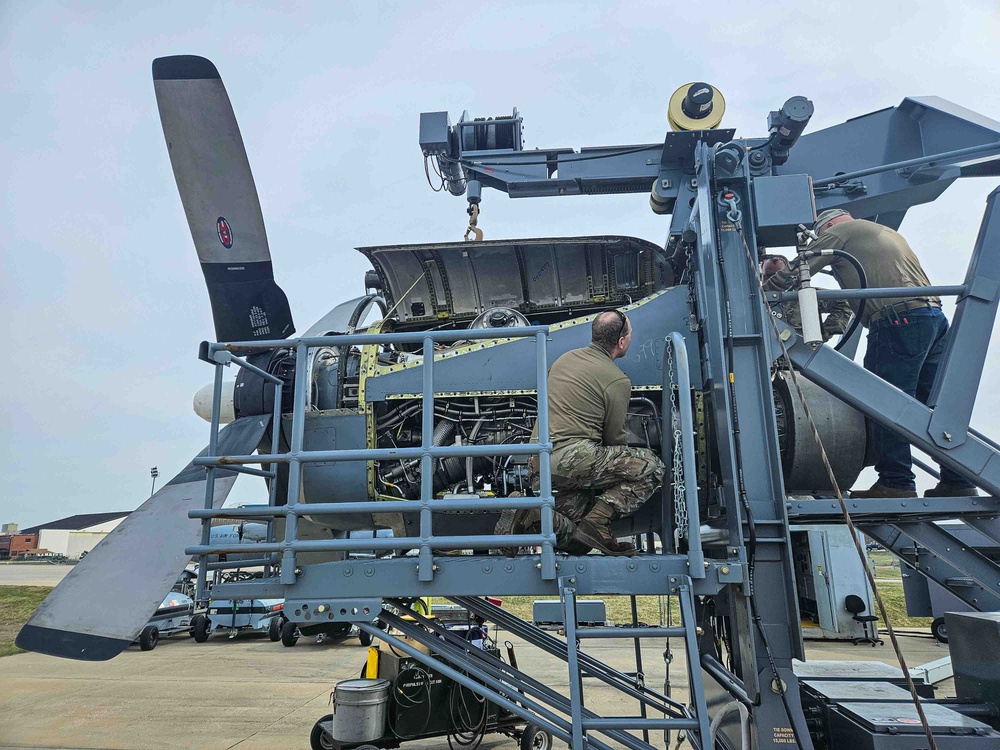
[(696, 106)]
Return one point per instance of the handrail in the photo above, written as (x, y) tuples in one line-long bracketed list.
[(362, 339), (955, 290), (675, 341), (222, 354)]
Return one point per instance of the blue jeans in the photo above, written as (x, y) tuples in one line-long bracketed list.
[(905, 350)]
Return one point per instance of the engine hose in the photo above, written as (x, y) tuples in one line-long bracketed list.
[(713, 729), (442, 431), (468, 460), (862, 284)]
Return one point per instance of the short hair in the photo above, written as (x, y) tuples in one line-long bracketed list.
[(606, 328), (827, 216)]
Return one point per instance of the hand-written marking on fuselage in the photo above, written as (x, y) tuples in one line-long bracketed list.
[(539, 272), (648, 349)]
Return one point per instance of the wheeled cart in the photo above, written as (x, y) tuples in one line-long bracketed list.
[(403, 700)]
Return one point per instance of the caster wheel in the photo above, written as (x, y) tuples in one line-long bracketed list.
[(535, 738), (319, 737), (274, 629), (200, 628), (939, 631)]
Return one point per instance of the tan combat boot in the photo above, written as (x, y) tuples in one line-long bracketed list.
[(595, 529)]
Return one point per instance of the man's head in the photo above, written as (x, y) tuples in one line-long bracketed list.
[(829, 218), (612, 331), (771, 265)]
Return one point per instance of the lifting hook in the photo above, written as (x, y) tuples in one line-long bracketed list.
[(474, 230)]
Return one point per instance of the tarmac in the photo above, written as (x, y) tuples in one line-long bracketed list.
[(32, 574), (252, 694)]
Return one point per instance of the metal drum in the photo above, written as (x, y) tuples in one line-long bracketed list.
[(359, 708), (842, 428)]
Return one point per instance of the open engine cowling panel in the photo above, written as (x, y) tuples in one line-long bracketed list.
[(460, 280)]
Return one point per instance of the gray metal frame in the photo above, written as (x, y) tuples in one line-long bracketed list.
[(906, 156), (882, 164), (222, 355)]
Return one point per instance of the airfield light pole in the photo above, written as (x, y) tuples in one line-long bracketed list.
[(154, 473)]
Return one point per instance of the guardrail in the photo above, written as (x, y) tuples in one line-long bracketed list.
[(680, 375), (221, 355)]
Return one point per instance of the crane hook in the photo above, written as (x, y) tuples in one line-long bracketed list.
[(473, 212)]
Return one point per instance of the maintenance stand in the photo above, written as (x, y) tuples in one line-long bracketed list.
[(716, 345)]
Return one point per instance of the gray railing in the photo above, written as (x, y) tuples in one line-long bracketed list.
[(682, 379), (224, 354), (955, 290)]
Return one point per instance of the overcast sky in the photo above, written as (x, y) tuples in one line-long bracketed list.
[(103, 296)]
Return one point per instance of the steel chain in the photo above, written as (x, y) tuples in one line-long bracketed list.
[(677, 468), (677, 462)]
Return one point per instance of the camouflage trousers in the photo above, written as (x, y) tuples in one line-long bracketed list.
[(582, 474), (620, 475)]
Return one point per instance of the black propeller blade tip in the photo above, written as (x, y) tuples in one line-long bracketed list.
[(69, 645), (183, 67)]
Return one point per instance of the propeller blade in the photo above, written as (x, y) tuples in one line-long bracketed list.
[(220, 200), (104, 602)]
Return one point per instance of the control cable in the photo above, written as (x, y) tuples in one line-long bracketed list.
[(843, 506)]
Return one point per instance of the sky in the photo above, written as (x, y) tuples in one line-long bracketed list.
[(103, 296)]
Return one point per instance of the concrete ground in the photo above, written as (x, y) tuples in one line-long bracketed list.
[(252, 694)]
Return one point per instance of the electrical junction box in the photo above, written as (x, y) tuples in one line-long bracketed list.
[(434, 127), (550, 612), (783, 202)]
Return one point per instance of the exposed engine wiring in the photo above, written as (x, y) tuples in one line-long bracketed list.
[(779, 685)]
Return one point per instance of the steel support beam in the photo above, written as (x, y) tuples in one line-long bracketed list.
[(734, 322), (890, 407), (954, 391), (468, 575), (934, 565), (890, 509)]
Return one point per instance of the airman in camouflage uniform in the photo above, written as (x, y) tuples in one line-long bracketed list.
[(624, 476), (596, 478)]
